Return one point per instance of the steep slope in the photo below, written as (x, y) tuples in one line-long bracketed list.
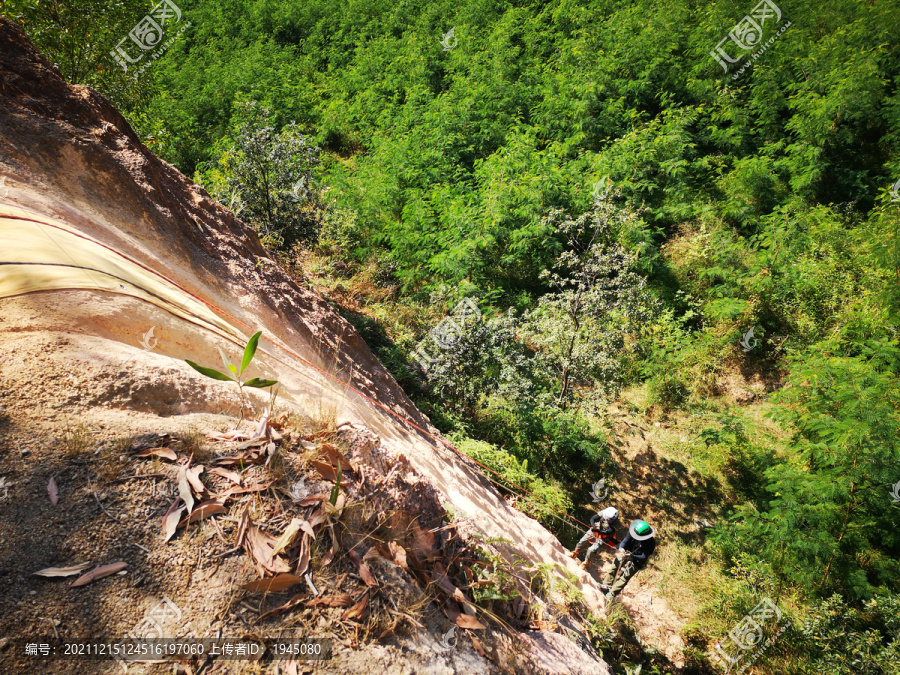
[(102, 241)]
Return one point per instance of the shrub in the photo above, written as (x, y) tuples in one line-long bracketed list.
[(518, 472)]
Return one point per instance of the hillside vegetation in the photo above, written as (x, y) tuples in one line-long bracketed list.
[(623, 212)]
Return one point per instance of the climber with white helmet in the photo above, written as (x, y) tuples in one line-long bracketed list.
[(602, 533)]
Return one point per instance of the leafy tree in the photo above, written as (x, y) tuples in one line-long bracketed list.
[(486, 361), (828, 524), (77, 36), (846, 640), (268, 179)]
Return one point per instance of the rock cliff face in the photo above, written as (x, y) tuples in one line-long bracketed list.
[(114, 268)]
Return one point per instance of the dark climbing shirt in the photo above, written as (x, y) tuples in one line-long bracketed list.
[(640, 550)]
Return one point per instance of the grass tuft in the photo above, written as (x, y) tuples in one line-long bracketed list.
[(76, 441)]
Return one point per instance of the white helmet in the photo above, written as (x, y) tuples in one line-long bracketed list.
[(609, 514)]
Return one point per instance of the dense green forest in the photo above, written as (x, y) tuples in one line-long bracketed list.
[(623, 210)]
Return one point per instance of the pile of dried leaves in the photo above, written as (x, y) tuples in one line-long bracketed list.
[(357, 537)]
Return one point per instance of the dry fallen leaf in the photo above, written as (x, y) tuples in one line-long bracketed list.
[(373, 553), (335, 544), (61, 571), (452, 610), (231, 461), (261, 545), (170, 520), (252, 443), (477, 645), (364, 572), (336, 457), (311, 500), (233, 476), (399, 554), (338, 600), (423, 540), (99, 573), (318, 517), (303, 558), (542, 625), (276, 583), (204, 510), (184, 489), (470, 622), (193, 477), (262, 426), (232, 435), (358, 609), (53, 491), (231, 492), (440, 576), (287, 537), (243, 523), (165, 453), (338, 505), (328, 472)]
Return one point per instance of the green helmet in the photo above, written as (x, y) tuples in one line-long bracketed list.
[(640, 530)]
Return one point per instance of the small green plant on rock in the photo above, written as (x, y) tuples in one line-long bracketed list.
[(256, 382), (556, 585)]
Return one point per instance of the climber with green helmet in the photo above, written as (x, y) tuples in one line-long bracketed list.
[(634, 550)]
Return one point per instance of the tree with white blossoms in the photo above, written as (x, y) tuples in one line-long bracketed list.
[(579, 328)]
